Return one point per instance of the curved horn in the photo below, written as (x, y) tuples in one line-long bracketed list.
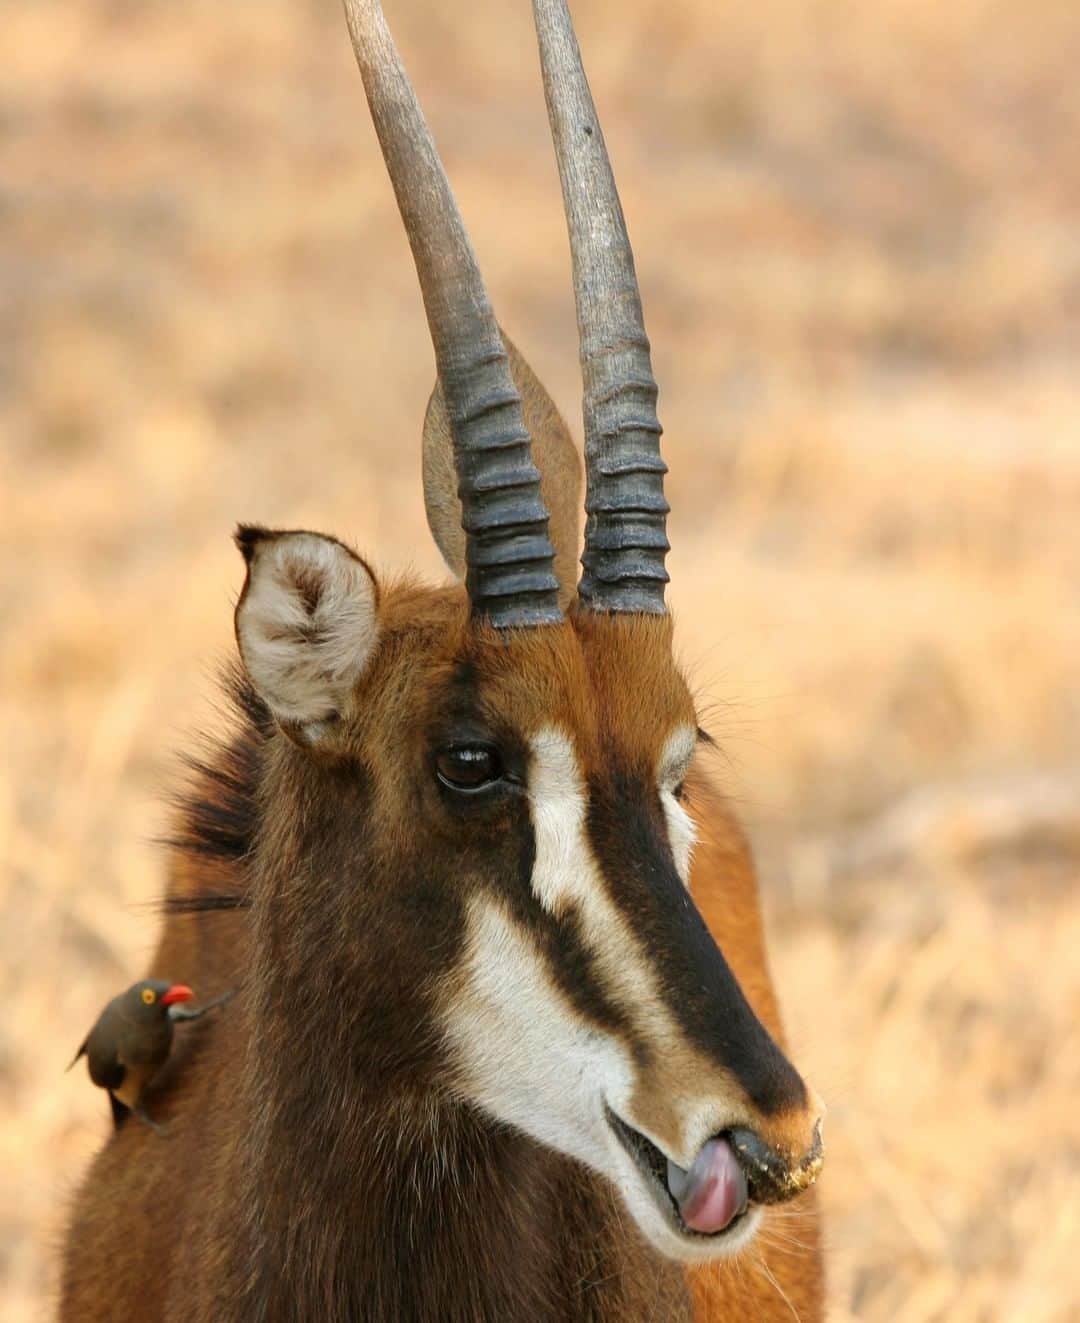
[(625, 533), (510, 563)]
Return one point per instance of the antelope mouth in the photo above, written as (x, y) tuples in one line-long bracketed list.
[(709, 1201)]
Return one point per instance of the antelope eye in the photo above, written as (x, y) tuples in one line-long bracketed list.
[(468, 766)]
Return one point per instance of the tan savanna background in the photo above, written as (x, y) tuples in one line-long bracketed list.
[(858, 231)]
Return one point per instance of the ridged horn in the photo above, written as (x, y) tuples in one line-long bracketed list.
[(625, 528), (510, 573)]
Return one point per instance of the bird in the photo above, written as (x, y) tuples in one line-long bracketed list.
[(131, 1041)]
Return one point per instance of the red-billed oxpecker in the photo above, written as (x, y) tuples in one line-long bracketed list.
[(131, 1041)]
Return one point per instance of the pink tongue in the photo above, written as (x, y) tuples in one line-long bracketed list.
[(713, 1191)]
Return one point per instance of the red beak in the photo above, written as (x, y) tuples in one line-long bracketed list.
[(178, 992)]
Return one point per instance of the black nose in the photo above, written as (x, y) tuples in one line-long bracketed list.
[(771, 1176)]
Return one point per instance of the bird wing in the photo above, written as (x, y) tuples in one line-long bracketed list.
[(103, 1053), (145, 1044), (107, 1073)]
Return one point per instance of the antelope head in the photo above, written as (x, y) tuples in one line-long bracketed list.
[(483, 817)]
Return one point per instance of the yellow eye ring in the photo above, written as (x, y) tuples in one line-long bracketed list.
[(148, 996)]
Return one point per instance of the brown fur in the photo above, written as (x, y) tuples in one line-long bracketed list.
[(316, 1166)]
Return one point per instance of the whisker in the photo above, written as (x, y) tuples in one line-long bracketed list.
[(759, 1262), (771, 1237)]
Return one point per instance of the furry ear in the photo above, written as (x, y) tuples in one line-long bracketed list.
[(306, 626), (553, 453)]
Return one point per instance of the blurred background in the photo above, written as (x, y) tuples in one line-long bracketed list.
[(858, 235)]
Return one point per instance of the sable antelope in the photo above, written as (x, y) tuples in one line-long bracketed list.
[(505, 1045)]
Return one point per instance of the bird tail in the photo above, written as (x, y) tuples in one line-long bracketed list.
[(81, 1053)]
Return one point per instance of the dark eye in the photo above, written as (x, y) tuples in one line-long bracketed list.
[(680, 791), (468, 766)]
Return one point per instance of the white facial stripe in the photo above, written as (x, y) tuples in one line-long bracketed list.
[(524, 1053), (564, 871), (670, 772)]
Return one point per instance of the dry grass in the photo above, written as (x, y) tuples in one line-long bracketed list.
[(857, 230)]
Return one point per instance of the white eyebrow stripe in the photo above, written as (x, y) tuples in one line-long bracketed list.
[(674, 760), (564, 871), (673, 764), (682, 834)]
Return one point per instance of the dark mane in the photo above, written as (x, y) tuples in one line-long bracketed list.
[(217, 811)]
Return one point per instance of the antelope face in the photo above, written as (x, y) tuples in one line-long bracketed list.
[(589, 1006), (531, 800)]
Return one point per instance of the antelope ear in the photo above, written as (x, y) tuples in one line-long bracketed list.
[(306, 626), (553, 453)]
